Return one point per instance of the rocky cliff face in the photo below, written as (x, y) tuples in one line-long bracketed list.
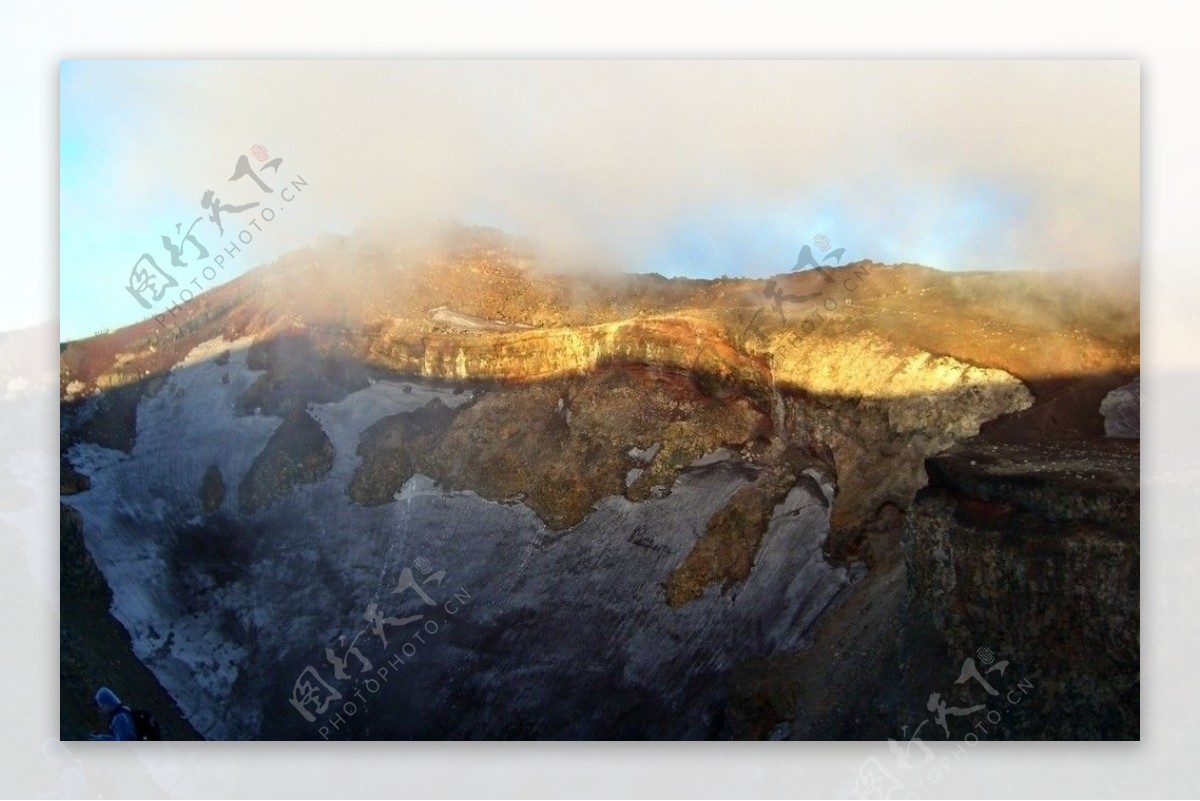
[(667, 343), (524, 631), (1032, 551), (473, 503), (613, 504), (879, 411), (874, 411)]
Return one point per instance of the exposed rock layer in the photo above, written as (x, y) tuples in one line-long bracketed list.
[(1033, 553), (631, 475)]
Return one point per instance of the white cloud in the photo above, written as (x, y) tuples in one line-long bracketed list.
[(602, 157)]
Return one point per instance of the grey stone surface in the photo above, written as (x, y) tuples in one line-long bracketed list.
[(1122, 410)]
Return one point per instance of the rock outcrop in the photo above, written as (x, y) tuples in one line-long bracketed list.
[(1032, 552), (212, 489), (637, 507), (877, 411), (529, 625), (679, 343), (298, 452), (874, 409), (1122, 410)]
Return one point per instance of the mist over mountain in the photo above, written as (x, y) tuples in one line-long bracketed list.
[(452, 486), (692, 169)]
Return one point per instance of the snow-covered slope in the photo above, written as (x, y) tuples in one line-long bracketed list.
[(528, 632)]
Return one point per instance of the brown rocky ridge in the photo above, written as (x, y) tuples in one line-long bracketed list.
[(955, 415)]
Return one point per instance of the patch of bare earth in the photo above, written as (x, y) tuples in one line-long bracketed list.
[(560, 446), (725, 553), (299, 452)]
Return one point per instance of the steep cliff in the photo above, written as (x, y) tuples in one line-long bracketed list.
[(1033, 551), (660, 508), (873, 410)]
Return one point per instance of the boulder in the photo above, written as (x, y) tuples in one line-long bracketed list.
[(1122, 411)]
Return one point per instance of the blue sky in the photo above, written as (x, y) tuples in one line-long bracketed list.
[(113, 208), (756, 240), (683, 168)]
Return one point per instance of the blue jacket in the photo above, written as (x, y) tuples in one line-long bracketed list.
[(120, 719)]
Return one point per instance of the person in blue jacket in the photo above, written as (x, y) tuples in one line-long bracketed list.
[(119, 716)]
